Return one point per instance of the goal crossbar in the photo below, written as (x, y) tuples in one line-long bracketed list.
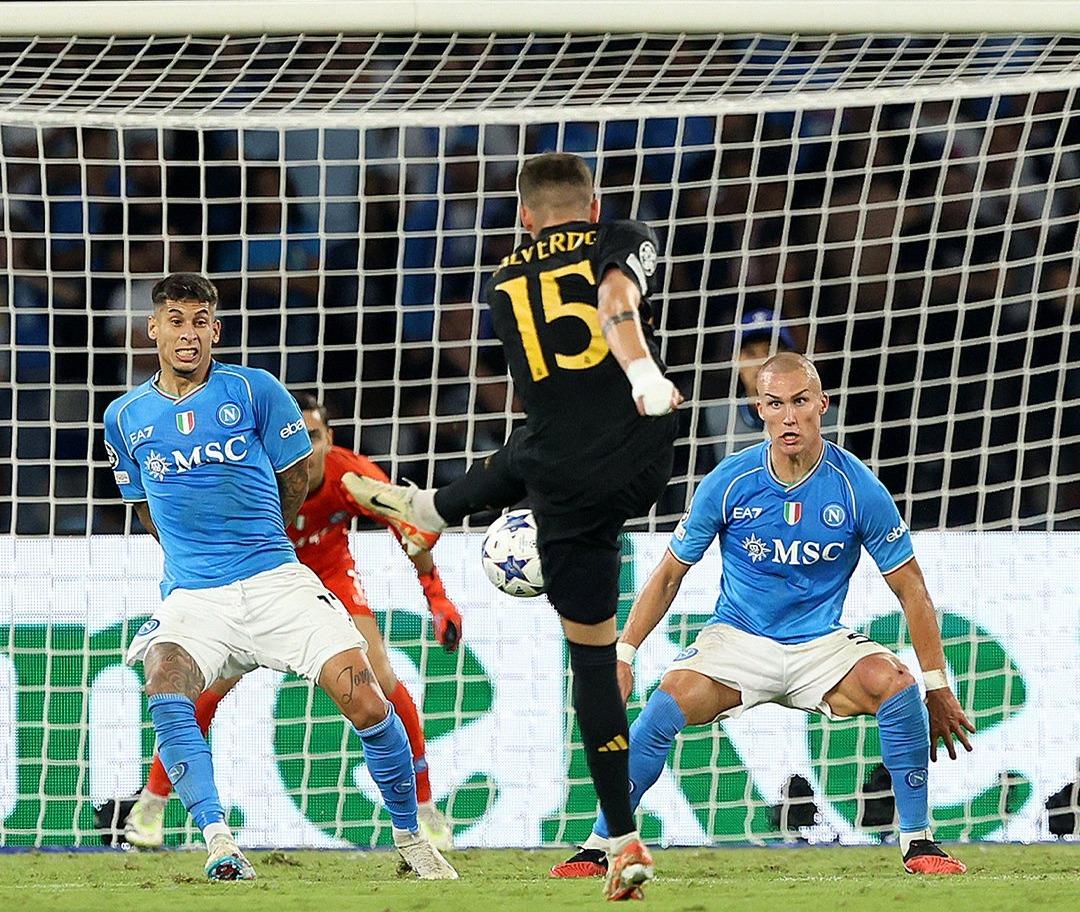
[(211, 17), (227, 96)]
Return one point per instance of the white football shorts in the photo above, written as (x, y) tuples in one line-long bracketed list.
[(798, 675), (283, 619)]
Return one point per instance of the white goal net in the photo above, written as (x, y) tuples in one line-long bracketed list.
[(902, 207)]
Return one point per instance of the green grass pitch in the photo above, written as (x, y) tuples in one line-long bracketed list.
[(1005, 878)]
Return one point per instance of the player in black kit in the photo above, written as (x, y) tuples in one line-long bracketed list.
[(571, 308)]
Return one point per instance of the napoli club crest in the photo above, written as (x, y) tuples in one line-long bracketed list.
[(833, 515), (229, 414)]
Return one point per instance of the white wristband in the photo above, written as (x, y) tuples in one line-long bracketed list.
[(935, 679), (624, 652), (650, 386)]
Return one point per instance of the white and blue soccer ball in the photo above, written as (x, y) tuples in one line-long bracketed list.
[(510, 556)]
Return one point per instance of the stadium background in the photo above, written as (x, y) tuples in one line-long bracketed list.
[(922, 250)]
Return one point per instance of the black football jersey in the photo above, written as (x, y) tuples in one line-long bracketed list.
[(543, 300)]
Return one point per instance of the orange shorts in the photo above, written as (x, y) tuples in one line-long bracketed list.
[(347, 587)]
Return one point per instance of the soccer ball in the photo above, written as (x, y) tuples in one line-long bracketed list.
[(511, 560)]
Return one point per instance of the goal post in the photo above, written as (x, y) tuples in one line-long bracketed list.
[(896, 200), (777, 17)]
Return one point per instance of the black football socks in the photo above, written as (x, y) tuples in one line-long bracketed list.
[(604, 731)]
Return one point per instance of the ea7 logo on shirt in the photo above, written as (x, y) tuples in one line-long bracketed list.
[(232, 450), (745, 513), (141, 434)]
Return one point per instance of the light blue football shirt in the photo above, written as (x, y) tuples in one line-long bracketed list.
[(788, 552), (206, 465)]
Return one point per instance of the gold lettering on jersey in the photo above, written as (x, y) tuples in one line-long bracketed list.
[(517, 289), (559, 242), (556, 308)]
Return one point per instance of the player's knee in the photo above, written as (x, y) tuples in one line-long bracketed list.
[(882, 677), (170, 669), (370, 709), (582, 604), (699, 698)]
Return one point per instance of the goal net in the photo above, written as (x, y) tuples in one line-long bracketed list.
[(901, 207)]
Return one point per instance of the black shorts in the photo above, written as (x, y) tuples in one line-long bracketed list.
[(580, 550), (579, 513)]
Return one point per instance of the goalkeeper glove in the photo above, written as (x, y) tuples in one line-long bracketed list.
[(445, 617)]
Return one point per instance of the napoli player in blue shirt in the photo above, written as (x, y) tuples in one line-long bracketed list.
[(792, 514), (213, 459)]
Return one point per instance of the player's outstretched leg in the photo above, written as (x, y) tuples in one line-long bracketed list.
[(905, 747), (395, 505), (173, 683), (144, 827), (348, 680), (651, 737), (419, 515)]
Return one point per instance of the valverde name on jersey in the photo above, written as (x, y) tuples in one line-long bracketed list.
[(556, 242)]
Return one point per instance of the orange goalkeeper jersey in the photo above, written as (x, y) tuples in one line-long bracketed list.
[(321, 530)]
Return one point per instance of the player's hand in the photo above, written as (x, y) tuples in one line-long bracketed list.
[(446, 620), (947, 720), (624, 671), (653, 393), (444, 614), (658, 405)]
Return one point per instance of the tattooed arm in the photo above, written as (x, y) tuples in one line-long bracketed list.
[(142, 510), (293, 488), (618, 300)]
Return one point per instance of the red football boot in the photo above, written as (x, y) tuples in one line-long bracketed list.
[(628, 871), (924, 856), (584, 863)]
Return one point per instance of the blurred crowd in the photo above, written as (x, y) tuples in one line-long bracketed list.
[(923, 254)]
